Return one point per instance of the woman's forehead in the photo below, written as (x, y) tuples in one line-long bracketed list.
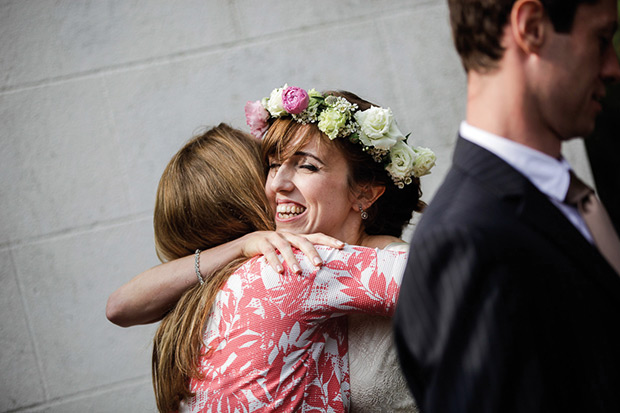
[(297, 139)]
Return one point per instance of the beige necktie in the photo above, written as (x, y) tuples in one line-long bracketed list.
[(596, 218)]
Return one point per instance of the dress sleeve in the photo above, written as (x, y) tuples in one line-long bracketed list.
[(352, 280)]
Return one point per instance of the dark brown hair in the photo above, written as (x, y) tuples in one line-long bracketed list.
[(391, 212), (478, 27)]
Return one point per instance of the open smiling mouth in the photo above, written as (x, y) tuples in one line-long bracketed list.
[(286, 211)]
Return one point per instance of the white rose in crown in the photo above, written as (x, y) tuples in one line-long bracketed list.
[(402, 160), (377, 128), (274, 103), (425, 160)]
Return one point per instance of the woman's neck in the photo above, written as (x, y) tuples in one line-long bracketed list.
[(376, 241)]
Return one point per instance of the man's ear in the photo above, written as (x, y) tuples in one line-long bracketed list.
[(528, 22), (367, 195)]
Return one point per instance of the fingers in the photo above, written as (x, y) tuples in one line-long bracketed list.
[(322, 239), (306, 242), (273, 260), (305, 246), (271, 243)]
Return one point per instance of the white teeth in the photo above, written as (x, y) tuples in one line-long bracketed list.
[(289, 210)]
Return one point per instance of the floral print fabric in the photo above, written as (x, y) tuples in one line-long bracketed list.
[(279, 341)]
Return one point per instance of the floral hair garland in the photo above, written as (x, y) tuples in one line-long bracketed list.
[(374, 128)]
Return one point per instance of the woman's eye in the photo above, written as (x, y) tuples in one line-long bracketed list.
[(273, 167), (309, 167)]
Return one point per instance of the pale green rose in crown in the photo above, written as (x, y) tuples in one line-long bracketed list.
[(315, 98), (377, 128), (314, 101), (425, 160), (331, 121), (274, 103)]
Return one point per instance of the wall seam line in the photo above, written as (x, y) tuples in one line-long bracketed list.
[(33, 340)]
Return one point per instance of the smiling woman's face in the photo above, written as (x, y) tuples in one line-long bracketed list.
[(309, 192)]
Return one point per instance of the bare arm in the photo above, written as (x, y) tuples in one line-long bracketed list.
[(151, 294)]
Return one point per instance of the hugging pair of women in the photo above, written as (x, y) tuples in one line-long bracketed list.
[(282, 260)]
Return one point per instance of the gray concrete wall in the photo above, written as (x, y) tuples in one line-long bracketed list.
[(96, 96)]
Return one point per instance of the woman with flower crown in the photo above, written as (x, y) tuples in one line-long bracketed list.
[(340, 166)]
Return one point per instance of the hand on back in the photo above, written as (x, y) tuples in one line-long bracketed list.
[(270, 243)]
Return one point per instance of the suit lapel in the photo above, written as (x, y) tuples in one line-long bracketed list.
[(535, 210)]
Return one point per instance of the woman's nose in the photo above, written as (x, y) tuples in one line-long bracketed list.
[(280, 179)]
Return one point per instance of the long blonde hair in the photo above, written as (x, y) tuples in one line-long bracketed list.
[(211, 192)]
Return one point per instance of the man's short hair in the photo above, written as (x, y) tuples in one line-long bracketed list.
[(478, 27)]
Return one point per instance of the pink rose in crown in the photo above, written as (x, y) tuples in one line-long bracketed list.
[(295, 100), (256, 117)]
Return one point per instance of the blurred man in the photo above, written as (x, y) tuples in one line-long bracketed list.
[(511, 299)]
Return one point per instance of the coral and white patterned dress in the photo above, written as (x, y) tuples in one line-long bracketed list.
[(278, 342)]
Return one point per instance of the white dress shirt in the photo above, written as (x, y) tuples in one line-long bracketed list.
[(551, 176)]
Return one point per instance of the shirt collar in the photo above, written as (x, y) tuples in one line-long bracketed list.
[(551, 176)]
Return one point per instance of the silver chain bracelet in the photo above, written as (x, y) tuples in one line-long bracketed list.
[(197, 267)]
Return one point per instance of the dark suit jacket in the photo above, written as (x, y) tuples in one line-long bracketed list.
[(505, 307)]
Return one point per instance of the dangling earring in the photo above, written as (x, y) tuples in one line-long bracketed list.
[(363, 213)]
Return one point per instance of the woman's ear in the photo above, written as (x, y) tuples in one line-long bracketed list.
[(528, 23), (367, 195)]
